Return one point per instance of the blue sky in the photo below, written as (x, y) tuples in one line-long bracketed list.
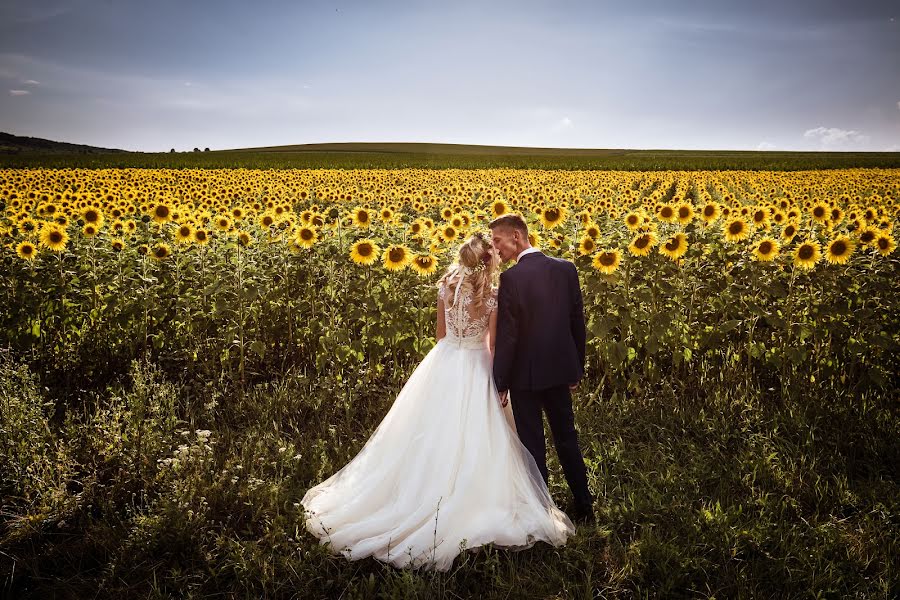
[(691, 74)]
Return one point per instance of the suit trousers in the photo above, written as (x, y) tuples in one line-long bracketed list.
[(556, 402)]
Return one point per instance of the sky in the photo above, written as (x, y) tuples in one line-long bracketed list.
[(678, 74)]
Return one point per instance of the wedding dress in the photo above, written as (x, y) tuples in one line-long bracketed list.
[(444, 471)]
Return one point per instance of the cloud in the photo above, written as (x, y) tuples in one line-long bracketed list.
[(763, 146), (834, 136), (31, 82), (894, 148), (19, 92), (562, 124), (898, 105)]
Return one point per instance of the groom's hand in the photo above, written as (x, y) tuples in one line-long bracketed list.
[(572, 386), (504, 398)]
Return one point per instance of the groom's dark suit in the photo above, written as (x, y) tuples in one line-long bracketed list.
[(540, 347)]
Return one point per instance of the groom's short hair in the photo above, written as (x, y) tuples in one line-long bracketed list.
[(512, 221)]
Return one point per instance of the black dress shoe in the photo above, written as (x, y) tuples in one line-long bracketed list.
[(583, 514)]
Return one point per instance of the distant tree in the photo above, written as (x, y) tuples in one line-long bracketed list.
[(196, 149), (206, 149), (172, 151)]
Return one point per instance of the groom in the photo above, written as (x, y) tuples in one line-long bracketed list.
[(539, 354)]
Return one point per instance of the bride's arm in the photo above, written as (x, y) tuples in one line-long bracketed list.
[(441, 321), (492, 330)]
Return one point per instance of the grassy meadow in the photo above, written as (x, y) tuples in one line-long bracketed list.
[(186, 347)]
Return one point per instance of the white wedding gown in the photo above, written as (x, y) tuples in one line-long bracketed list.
[(444, 470)]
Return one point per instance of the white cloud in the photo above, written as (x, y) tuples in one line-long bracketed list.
[(562, 124), (19, 92), (834, 136), (763, 146), (31, 82)]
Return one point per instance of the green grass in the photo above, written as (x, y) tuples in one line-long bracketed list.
[(445, 156), (712, 492)]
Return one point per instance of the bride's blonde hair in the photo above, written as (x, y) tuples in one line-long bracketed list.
[(477, 264)]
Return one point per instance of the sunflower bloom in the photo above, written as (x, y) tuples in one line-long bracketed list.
[(26, 250), (765, 250), (587, 246), (675, 246), (160, 251), (807, 255), (306, 236), (362, 218), (364, 252), (633, 221), (54, 238), (424, 264), (161, 213), (710, 212), (642, 244), (885, 243), (184, 234), (839, 250), (736, 230), (607, 261), (396, 257), (553, 217)]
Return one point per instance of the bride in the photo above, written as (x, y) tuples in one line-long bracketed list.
[(444, 471)]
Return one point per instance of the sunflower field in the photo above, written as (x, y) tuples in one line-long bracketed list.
[(783, 285)]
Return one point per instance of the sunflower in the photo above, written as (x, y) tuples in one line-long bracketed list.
[(448, 233), (885, 243), (237, 213), (820, 212), (244, 238), (498, 208), (684, 213), (807, 254), (184, 234), (306, 236), (675, 246), (534, 239), (592, 231), (160, 251), (867, 236), (765, 250), (386, 215), (223, 223), (736, 229), (553, 216), (266, 220), (760, 217), (789, 231), (587, 245), (364, 252), (633, 221), (396, 257), (839, 250), (26, 250), (362, 218), (710, 212), (161, 213), (201, 236), (92, 216), (607, 261), (642, 244), (54, 238), (117, 244), (424, 264), (89, 230)]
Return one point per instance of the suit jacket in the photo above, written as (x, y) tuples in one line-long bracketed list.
[(541, 334)]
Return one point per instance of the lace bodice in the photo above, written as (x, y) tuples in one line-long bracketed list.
[(465, 322)]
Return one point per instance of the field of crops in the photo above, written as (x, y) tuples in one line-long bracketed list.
[(185, 351)]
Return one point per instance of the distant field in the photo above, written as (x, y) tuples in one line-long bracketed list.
[(452, 156)]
